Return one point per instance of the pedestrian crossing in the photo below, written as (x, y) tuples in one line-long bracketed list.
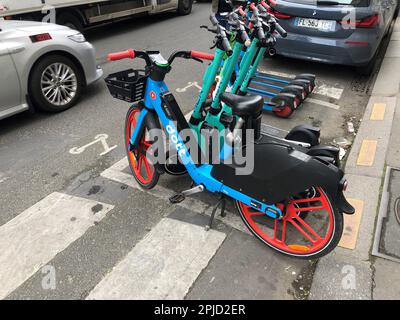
[(168, 258), (30, 240), (163, 265)]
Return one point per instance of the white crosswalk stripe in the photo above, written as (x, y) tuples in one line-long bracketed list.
[(115, 173), (37, 235), (163, 265)]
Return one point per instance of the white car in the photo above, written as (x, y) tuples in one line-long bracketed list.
[(43, 66)]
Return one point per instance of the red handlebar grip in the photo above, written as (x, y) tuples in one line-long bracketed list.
[(201, 55), (241, 12), (265, 5), (128, 54), (252, 6)]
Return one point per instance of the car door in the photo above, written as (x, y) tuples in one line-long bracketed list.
[(10, 90)]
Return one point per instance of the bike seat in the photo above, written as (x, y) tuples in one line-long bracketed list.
[(243, 105)]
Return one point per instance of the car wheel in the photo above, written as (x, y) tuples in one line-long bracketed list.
[(71, 21), (56, 83), (185, 7)]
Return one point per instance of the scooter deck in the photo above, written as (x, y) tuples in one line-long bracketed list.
[(277, 80), (252, 89), (262, 90)]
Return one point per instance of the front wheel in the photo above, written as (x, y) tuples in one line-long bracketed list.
[(56, 83), (295, 235), (143, 170)]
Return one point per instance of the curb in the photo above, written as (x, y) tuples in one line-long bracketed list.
[(347, 273)]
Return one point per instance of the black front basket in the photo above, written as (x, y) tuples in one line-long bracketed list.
[(128, 85)]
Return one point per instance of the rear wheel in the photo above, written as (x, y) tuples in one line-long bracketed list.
[(284, 112), (144, 172), (70, 20), (185, 7), (310, 228)]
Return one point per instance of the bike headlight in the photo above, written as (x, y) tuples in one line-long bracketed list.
[(79, 37)]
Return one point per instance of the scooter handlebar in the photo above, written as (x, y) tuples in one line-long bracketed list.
[(127, 54), (241, 11), (265, 5), (280, 30), (227, 46)]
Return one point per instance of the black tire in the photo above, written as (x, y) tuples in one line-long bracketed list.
[(153, 180), (35, 87), (333, 241), (185, 7), (176, 168), (70, 20)]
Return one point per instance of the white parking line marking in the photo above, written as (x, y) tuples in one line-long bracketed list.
[(323, 103), (3, 177), (37, 235), (102, 138), (328, 91), (116, 173), (190, 85), (163, 265)]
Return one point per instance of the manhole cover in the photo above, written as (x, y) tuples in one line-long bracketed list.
[(387, 236)]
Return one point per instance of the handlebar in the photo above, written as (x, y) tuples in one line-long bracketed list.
[(132, 54), (280, 30), (265, 5), (201, 55), (128, 54), (239, 27)]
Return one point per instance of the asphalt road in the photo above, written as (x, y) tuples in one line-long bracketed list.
[(35, 162)]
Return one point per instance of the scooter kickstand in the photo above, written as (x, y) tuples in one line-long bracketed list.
[(221, 202), (179, 197)]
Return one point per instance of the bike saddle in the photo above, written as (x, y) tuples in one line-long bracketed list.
[(243, 105)]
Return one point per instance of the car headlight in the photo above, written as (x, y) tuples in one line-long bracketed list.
[(79, 37)]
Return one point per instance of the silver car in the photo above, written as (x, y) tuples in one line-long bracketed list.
[(43, 66), (346, 32)]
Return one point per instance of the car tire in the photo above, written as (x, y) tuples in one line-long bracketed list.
[(70, 20), (185, 7), (40, 85)]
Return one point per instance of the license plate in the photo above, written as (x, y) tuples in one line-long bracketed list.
[(323, 25)]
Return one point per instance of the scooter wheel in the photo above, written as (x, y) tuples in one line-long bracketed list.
[(173, 165), (293, 236), (284, 112)]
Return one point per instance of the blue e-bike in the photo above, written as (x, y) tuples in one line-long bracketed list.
[(285, 182)]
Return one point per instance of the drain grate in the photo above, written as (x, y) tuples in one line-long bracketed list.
[(387, 235)]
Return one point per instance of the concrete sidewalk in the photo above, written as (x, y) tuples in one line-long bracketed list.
[(351, 272)]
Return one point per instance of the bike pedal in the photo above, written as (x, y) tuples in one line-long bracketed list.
[(178, 198)]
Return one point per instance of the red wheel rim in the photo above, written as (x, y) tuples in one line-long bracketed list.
[(285, 112), (305, 237), (142, 167)]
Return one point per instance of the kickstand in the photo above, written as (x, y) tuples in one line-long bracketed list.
[(222, 203)]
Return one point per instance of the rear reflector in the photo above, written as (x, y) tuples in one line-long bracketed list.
[(8, 18), (361, 43), (40, 37)]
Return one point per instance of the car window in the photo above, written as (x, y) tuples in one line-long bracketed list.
[(355, 3)]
